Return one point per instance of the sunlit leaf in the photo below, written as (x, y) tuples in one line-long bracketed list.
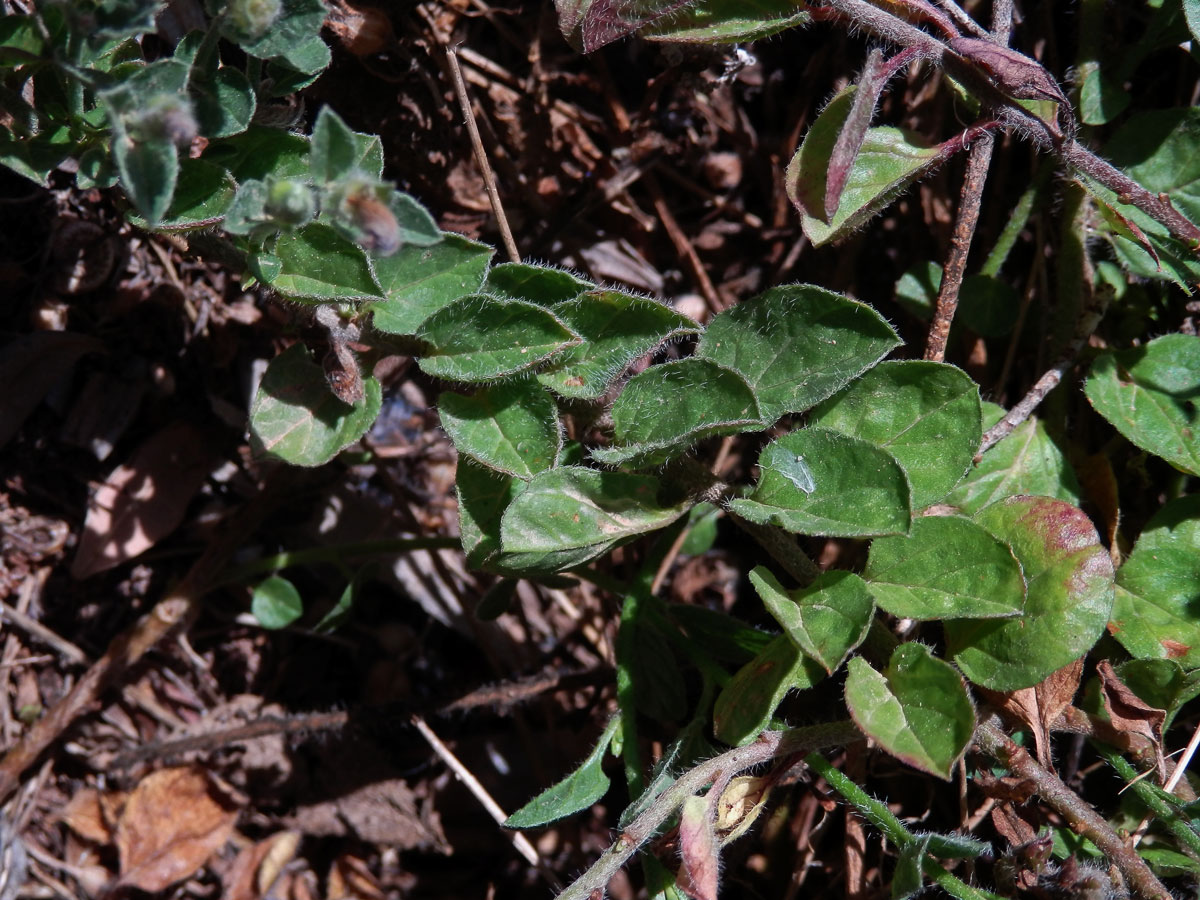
[(858, 490), (1150, 395), (1069, 595), (797, 345), (1154, 616), (917, 709)]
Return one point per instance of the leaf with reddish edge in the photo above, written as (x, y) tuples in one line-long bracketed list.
[(854, 131), (608, 20), (888, 161), (1069, 595), (1154, 616)]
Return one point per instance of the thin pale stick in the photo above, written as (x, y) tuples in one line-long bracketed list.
[(37, 630), (477, 790), (485, 168)]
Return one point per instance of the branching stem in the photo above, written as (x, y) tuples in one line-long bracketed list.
[(771, 745)]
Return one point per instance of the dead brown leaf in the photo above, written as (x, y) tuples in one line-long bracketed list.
[(258, 866), (86, 814), (173, 821), (1040, 705), (350, 879), (1129, 713), (144, 499)]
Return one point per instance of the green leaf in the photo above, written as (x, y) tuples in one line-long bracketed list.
[(148, 170), (415, 223), (917, 710), (745, 707), (418, 281), (616, 329), (319, 264), (926, 414), (1154, 616), (483, 495), (481, 338), (909, 874), (203, 193), (817, 481), (658, 688), (727, 21), (1163, 683), (276, 603), (223, 100), (579, 790), (948, 567), (889, 160), (667, 408), (826, 620), (339, 615), (1100, 98), (296, 418), (1149, 394), (1025, 462), (512, 427), (19, 33), (260, 152), (1156, 149), (572, 513), (797, 345), (720, 636), (335, 152), (299, 22), (702, 529), (542, 285), (1069, 595)]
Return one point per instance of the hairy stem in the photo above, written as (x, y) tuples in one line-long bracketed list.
[(1082, 818), (770, 745)]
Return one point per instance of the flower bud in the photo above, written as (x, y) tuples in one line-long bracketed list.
[(372, 221), (252, 18), (290, 202), (166, 117)]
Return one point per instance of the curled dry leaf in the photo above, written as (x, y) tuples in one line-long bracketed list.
[(144, 499), (1040, 705), (258, 866), (173, 821), (1129, 713)]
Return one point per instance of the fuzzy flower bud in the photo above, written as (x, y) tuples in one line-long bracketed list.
[(252, 18), (290, 202)]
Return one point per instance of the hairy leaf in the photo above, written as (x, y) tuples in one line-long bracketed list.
[(858, 490), (1025, 462), (826, 620), (616, 329), (917, 709), (575, 793), (1154, 616), (512, 427), (667, 408), (926, 414), (295, 417), (481, 338), (1069, 595), (1150, 395), (418, 281), (573, 513), (797, 345), (887, 162), (745, 707), (948, 567)]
